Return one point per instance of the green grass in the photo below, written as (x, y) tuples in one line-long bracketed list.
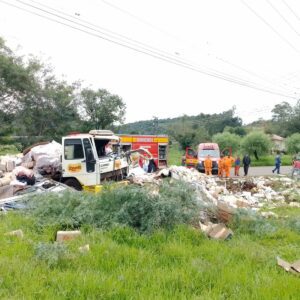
[(8, 149), (176, 264), (269, 160), (175, 155)]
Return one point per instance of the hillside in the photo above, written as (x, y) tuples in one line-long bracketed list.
[(211, 123)]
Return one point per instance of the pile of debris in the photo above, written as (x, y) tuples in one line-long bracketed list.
[(221, 198), (22, 172)]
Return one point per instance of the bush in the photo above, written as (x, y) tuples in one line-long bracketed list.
[(52, 254), (256, 141), (8, 149), (227, 140), (293, 143), (248, 222), (133, 206)]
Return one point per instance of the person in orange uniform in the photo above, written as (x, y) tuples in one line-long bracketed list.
[(208, 165), (221, 166), (228, 164)]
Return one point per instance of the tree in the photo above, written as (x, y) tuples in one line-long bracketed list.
[(256, 142), (33, 102), (239, 130), (102, 109), (227, 140), (293, 143), (282, 112)]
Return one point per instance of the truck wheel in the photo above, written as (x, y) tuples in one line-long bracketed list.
[(72, 182)]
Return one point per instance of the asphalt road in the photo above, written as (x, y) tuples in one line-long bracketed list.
[(262, 171)]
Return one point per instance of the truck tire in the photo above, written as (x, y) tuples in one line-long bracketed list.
[(72, 182)]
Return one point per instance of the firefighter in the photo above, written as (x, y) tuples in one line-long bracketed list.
[(221, 166), (228, 164), (208, 165)]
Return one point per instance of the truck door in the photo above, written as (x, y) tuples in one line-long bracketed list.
[(78, 160), (190, 158)]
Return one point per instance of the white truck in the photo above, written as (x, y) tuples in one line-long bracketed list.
[(85, 165)]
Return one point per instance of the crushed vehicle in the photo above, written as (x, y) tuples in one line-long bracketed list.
[(85, 162)]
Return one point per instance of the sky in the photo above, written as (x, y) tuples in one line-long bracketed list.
[(167, 58)]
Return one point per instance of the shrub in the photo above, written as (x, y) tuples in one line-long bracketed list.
[(293, 143), (256, 141), (134, 206), (227, 140), (52, 254), (248, 222)]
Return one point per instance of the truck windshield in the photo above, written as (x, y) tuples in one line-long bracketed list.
[(211, 152)]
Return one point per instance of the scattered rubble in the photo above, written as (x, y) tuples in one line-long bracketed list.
[(84, 249), (216, 231), (289, 267), (219, 198), (62, 236), (18, 233)]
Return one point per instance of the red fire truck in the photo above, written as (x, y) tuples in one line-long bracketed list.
[(157, 145)]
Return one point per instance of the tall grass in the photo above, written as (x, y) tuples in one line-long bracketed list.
[(168, 264), (175, 155)]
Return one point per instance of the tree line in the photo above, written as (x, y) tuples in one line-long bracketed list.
[(35, 104)]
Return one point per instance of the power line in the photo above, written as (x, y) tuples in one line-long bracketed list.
[(175, 37), (283, 18), (156, 55), (270, 26), (291, 10), (136, 43), (139, 19), (218, 73)]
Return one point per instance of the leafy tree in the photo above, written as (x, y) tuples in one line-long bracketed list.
[(239, 130), (293, 143), (102, 109), (227, 140), (256, 141), (33, 103), (186, 140), (282, 112)]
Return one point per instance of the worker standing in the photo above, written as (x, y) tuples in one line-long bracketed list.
[(237, 164), (208, 165), (228, 164), (221, 166)]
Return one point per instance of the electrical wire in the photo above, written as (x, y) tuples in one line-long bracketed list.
[(271, 27), (283, 17), (135, 42), (175, 37), (130, 40), (159, 56), (291, 10)]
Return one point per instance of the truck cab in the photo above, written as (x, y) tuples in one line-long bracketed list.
[(85, 164)]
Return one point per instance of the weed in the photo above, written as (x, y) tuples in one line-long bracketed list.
[(52, 254)]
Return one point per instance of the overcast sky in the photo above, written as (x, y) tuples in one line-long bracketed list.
[(244, 42)]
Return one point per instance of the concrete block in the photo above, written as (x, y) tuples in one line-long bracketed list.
[(18, 233), (3, 167), (10, 165), (62, 236), (84, 249)]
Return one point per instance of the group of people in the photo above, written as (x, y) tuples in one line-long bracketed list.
[(225, 164)]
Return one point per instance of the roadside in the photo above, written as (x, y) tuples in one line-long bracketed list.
[(263, 171)]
